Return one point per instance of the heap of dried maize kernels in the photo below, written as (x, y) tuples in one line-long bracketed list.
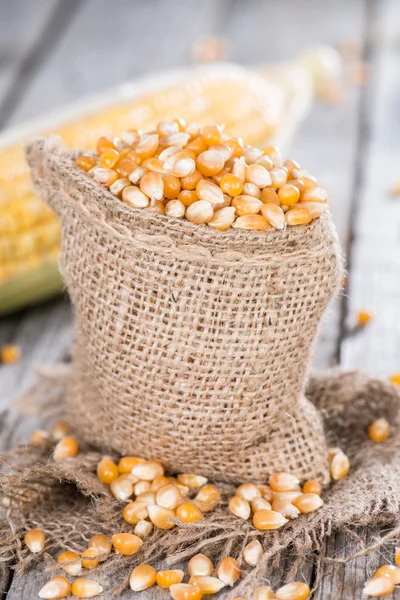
[(198, 173)]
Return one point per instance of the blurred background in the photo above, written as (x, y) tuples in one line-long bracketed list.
[(318, 77)]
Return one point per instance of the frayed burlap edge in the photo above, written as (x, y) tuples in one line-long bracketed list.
[(69, 503)]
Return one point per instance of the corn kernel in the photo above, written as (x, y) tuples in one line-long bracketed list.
[(183, 167), (260, 504), (379, 430), (185, 591), (135, 512), (103, 175), (127, 463), (142, 578), (266, 492), (210, 192), (258, 175), (363, 318), (273, 153), (252, 222), (137, 174), (148, 498), (161, 517), (133, 196), (309, 181), (141, 487), (269, 196), (200, 212), (207, 585), (169, 497), (70, 562), (239, 507), (239, 169), (189, 512), (85, 162), (395, 379), (230, 184), (278, 177), (143, 529), (246, 205), (122, 487), (340, 465), (286, 496), (107, 470), (85, 588), (268, 519), (315, 194), (208, 497), (60, 430), (397, 556), (312, 486), (287, 509), (190, 182), (126, 543), (211, 134), (105, 142), (283, 482), (152, 185), (200, 565), (248, 491), (108, 158), (147, 145), (252, 553), (198, 145), (223, 218), (379, 586), (274, 215), (167, 578), (390, 571), (66, 448), (187, 197), (191, 480), (90, 558), (263, 592), (148, 470), (155, 165), (293, 591), (9, 354), (228, 571), (39, 437), (298, 216), (35, 540), (307, 503), (250, 189), (56, 587), (102, 543), (288, 194), (235, 145)]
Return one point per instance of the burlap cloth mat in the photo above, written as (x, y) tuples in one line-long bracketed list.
[(69, 503)]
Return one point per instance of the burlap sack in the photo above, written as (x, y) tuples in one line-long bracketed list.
[(192, 346)]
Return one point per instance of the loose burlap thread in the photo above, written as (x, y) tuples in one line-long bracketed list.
[(69, 504), (191, 346)]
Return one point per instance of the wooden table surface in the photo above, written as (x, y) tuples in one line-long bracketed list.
[(53, 51)]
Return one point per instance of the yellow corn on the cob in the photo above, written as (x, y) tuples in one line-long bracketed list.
[(259, 107)]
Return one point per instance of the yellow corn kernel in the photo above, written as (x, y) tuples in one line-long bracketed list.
[(190, 182), (133, 196), (287, 509), (193, 482), (248, 491), (293, 591), (126, 543), (298, 216), (127, 463), (85, 162), (159, 482), (340, 465), (252, 553), (167, 578), (135, 512), (169, 497), (274, 154), (274, 215), (266, 492), (309, 181), (291, 165), (208, 497), (70, 562), (363, 318), (152, 185), (148, 470), (269, 196), (184, 167), (288, 194), (287, 496), (107, 470), (228, 570), (312, 486), (379, 586), (260, 504), (90, 558), (105, 142), (66, 448), (390, 571), (316, 194), (268, 519), (263, 592), (223, 218), (307, 503), (395, 379), (122, 487), (251, 155), (210, 192), (102, 175), (257, 175), (207, 585), (143, 529), (142, 578), (379, 430), (147, 145), (200, 212), (231, 185), (102, 543), (56, 587), (154, 165), (148, 498), (39, 437), (179, 139), (278, 177), (185, 591), (175, 208), (189, 512), (397, 556), (251, 222), (316, 209), (283, 482), (108, 158), (125, 166), (85, 588), (9, 354), (211, 134), (60, 430), (161, 517), (246, 205), (200, 565), (35, 540), (250, 189), (235, 145), (239, 507), (187, 197), (141, 487)]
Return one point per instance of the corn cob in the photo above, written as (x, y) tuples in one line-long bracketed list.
[(258, 107)]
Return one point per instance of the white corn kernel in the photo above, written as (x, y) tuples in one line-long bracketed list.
[(252, 553)]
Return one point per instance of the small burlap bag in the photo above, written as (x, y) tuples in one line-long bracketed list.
[(191, 346)]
